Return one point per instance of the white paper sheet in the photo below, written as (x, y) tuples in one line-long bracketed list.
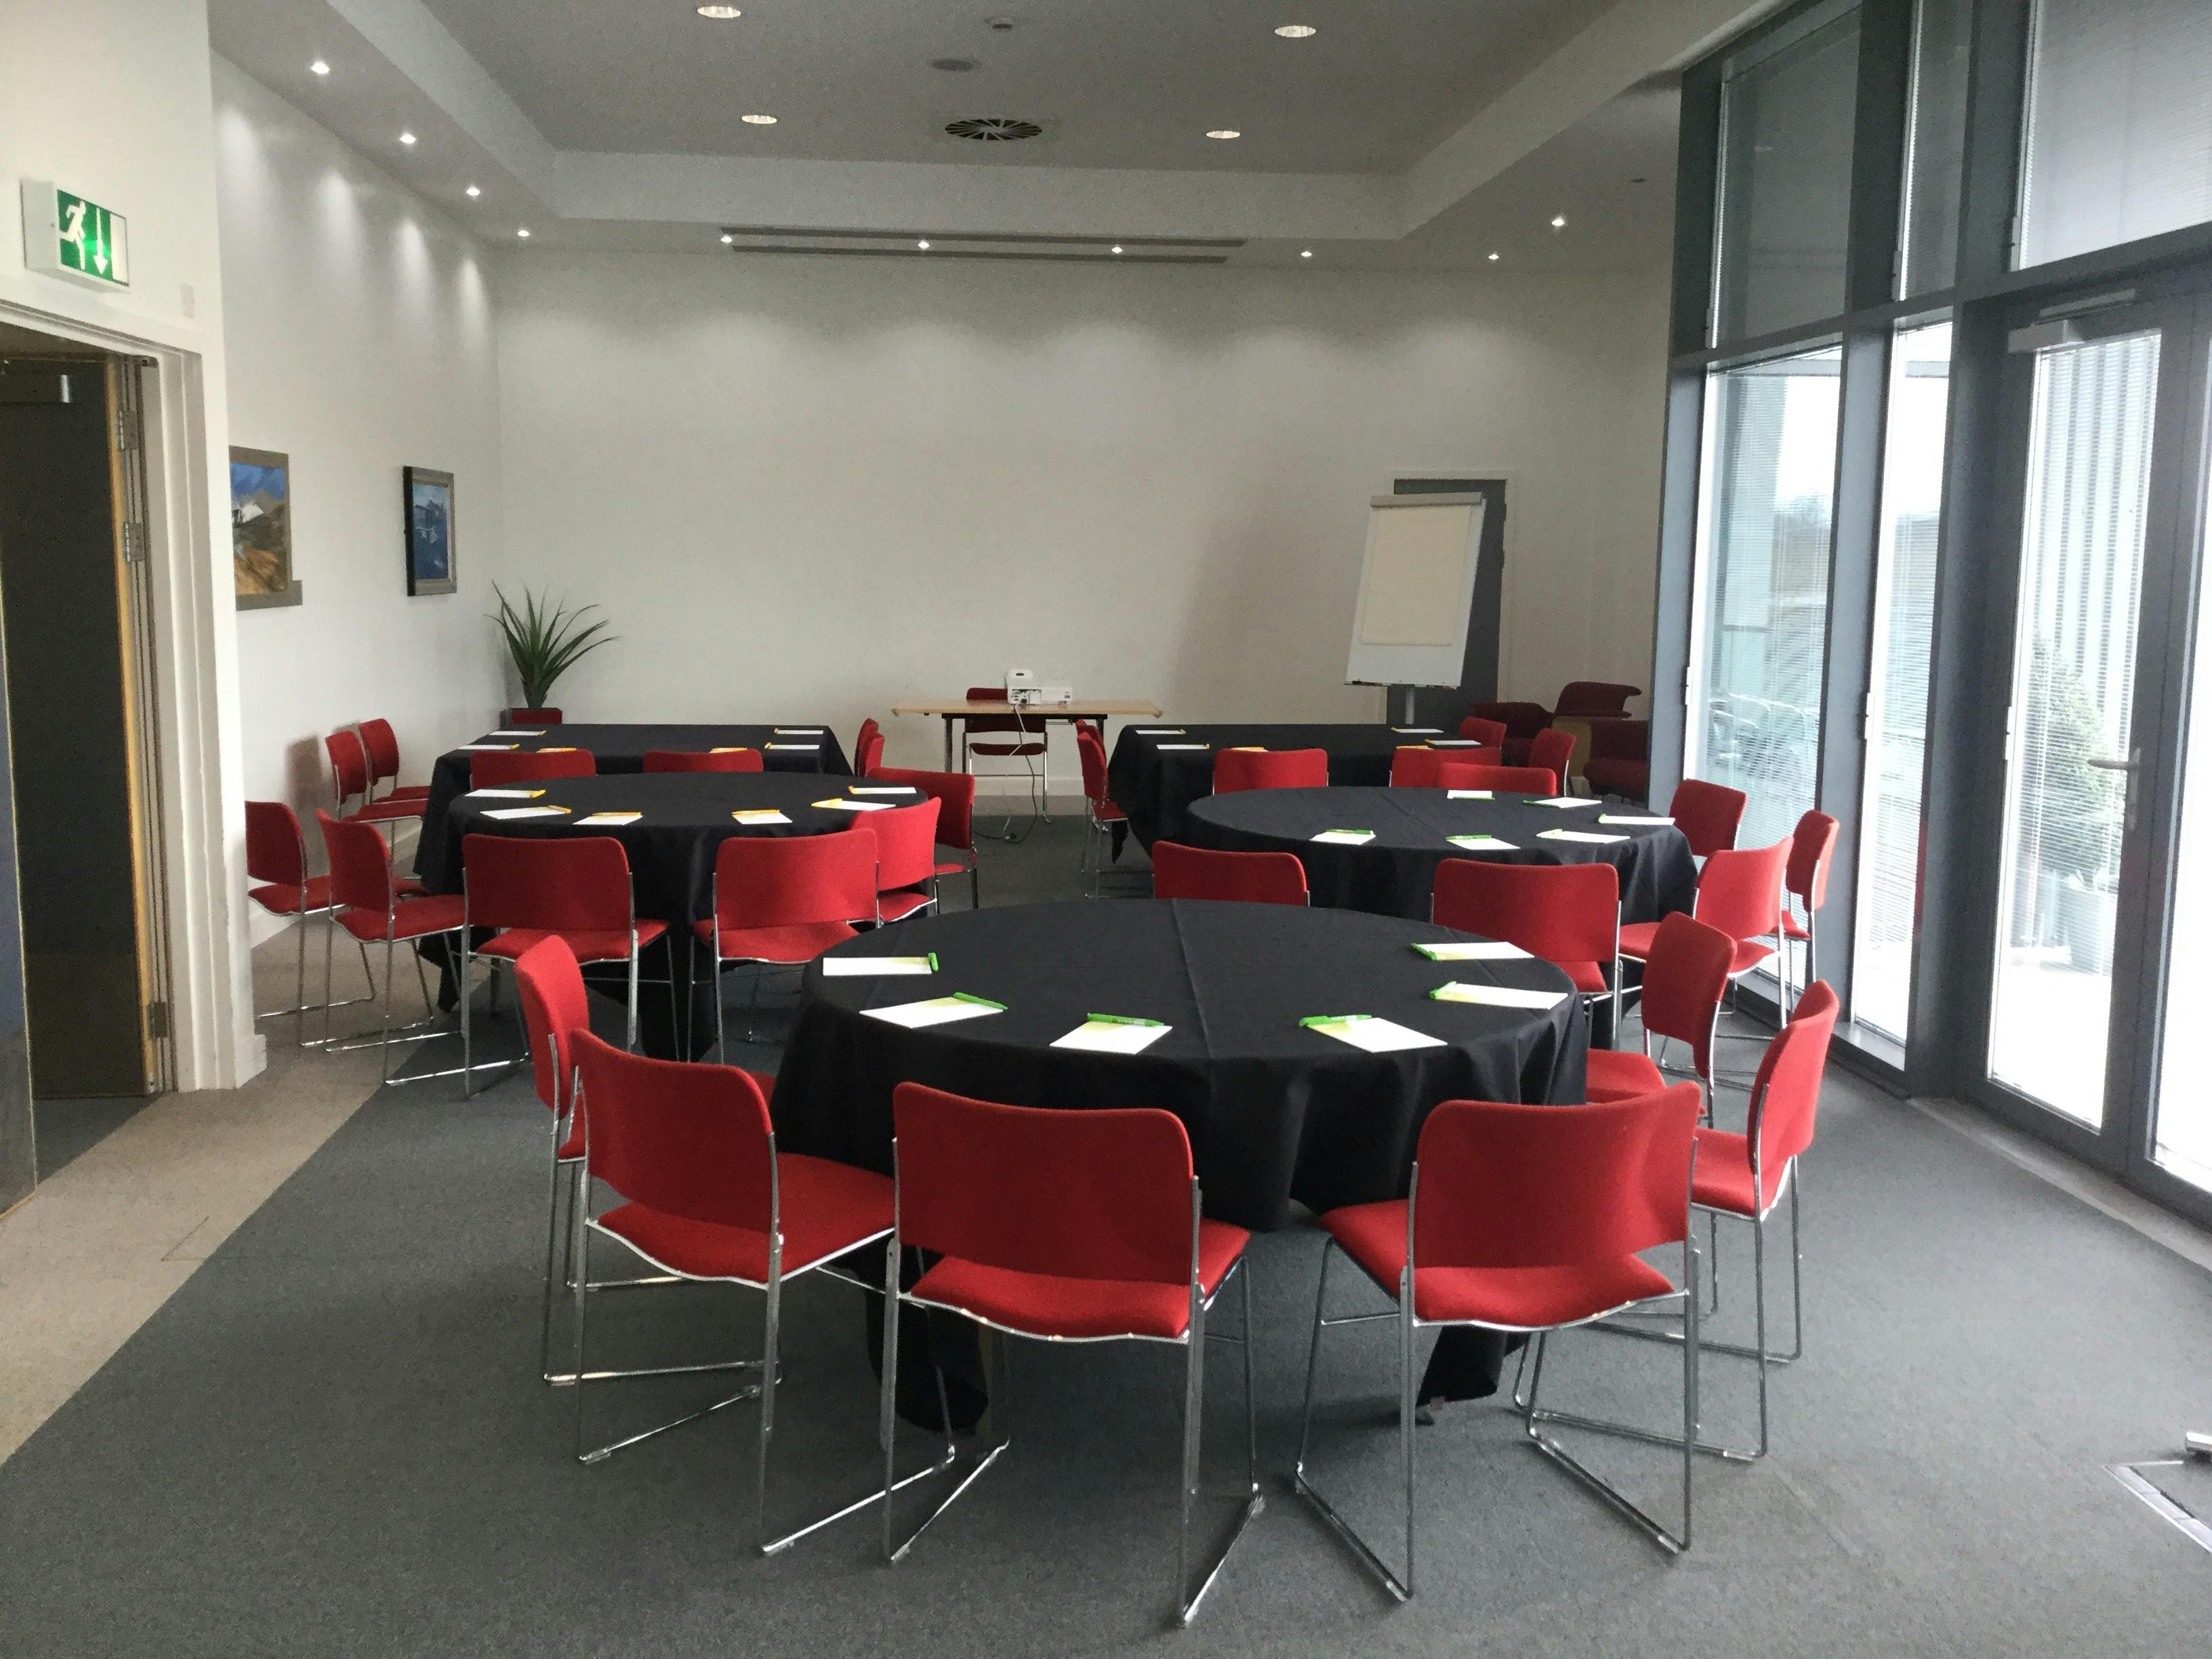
[(1472, 950), (1630, 817), (609, 819), (479, 747), (864, 967), (1345, 838), (809, 747), (884, 789), (938, 1011), (1376, 1036), (800, 731), (1499, 996), (1581, 835), (1566, 801), (856, 805), (1157, 731), (505, 794), (760, 814), (518, 734), (1418, 731), (527, 812), (1482, 844), (1470, 794), (1112, 1037), (1454, 743), (1166, 748)]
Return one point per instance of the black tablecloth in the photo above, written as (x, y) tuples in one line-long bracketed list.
[(622, 749), (1156, 788), (1274, 1111), (1394, 874), (671, 857)]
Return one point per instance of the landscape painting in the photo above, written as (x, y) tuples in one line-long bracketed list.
[(261, 526), (429, 504)]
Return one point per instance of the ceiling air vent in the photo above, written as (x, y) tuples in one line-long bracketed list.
[(993, 129)]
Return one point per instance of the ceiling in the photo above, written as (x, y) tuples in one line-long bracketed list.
[(1405, 134)]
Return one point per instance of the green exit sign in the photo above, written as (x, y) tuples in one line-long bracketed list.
[(67, 235)]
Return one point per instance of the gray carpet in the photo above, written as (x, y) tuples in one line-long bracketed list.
[(333, 1441)]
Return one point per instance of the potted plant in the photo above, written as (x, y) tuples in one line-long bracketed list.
[(545, 641), (2070, 810)]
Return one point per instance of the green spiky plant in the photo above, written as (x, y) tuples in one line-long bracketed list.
[(544, 641)]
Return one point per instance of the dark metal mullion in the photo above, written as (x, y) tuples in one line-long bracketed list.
[(1878, 145), (1677, 575), (1697, 175), (1997, 101)]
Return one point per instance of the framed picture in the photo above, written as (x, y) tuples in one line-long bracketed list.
[(429, 502), (261, 529)]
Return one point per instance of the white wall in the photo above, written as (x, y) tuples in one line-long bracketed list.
[(359, 321), (808, 488)]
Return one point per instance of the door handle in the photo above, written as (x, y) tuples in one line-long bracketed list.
[(2109, 765)]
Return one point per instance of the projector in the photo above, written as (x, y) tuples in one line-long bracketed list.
[(1040, 697)]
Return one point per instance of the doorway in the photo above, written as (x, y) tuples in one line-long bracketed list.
[(86, 880)]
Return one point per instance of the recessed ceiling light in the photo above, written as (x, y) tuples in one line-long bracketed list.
[(523, 231), (757, 120), (1493, 256), (1559, 222), (727, 238), (319, 67), (1305, 253), (1297, 30), (720, 14), (406, 138), (473, 190), (1224, 132), (924, 244), (1117, 247)]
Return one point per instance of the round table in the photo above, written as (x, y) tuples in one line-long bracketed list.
[(1275, 1111), (1396, 874), (686, 817)]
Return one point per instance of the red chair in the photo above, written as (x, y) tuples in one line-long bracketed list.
[(706, 1196), (1196, 873), (1270, 769), (1067, 1226), (1513, 780), (1685, 974), (1811, 849), (1567, 913), (1707, 814), (1522, 721), (1527, 1219), (276, 865), (1491, 734), (1595, 699), (712, 760), (955, 795), (1029, 741), (576, 888), (867, 748), (1619, 759), (1104, 817), (906, 859), (381, 745), (782, 901), (350, 778), (533, 718), (500, 769), (1415, 767), (1554, 750), (1738, 892), (371, 903)]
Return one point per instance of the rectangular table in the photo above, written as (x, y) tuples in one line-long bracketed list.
[(962, 709)]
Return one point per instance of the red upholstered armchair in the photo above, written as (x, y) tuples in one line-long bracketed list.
[(1595, 700), (1521, 720), (1620, 758)]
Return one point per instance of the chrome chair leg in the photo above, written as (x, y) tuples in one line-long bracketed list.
[(1400, 1590), (888, 1428)]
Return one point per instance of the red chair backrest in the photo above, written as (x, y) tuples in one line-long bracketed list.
[(868, 749), (1197, 872), (494, 769), (1091, 753), (554, 1008), (1561, 912), (1514, 780), (693, 759), (1811, 849), (1515, 1186), (1270, 769), (1740, 889), (361, 865), (955, 795), (1079, 1195), (1554, 750), (530, 717), (381, 744), (688, 1140), (906, 845), (1587, 697), (1707, 814), (1786, 1096), (1415, 766), (975, 723), (349, 763), (1685, 977), (783, 881), (275, 851), (1491, 734), (578, 884)]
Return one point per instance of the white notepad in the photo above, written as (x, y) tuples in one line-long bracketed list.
[(1454, 743), (810, 748), (518, 734), (759, 815), (501, 747), (610, 819), (1418, 731), (527, 812), (1376, 1035), (938, 1011), (1345, 838), (884, 789), (505, 794), (1630, 817), (1157, 731), (1472, 950), (1470, 794), (860, 967), (1165, 748), (801, 732), (1482, 843), (1114, 1036), (1581, 835), (1566, 801), (1499, 996), (856, 805)]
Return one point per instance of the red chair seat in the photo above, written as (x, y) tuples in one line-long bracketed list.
[(827, 1208), (408, 791), (1587, 976), (1793, 928), (1636, 938), (412, 918), (951, 870), (1006, 748), (285, 901), (897, 907), (590, 943), (1513, 1298), (1621, 1074), (1106, 812), (1048, 1305), (793, 942), (386, 811), (1722, 1179)]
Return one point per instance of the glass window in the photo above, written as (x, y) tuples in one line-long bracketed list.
[(1759, 626), (2120, 125), (1897, 680), (1936, 145), (1785, 179)]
